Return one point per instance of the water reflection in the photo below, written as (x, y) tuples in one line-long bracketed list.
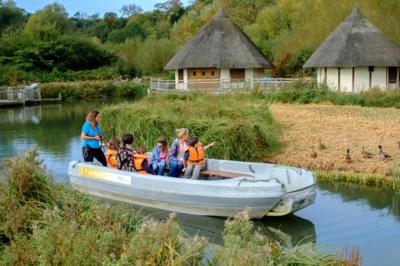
[(290, 231), (375, 198)]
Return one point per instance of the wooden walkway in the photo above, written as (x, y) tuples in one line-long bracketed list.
[(12, 96)]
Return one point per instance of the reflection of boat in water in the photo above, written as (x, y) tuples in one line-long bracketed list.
[(262, 189), (290, 231)]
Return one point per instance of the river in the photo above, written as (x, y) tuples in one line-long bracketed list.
[(343, 215)]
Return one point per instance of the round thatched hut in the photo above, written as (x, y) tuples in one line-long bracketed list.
[(357, 56), (220, 51)]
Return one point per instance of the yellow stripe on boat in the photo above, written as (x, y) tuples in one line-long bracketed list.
[(106, 175)]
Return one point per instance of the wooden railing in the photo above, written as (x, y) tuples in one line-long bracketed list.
[(220, 86), (19, 96)]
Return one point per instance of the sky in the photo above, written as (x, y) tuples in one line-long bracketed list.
[(89, 7)]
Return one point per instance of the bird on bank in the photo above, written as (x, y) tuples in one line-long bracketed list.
[(321, 146), (348, 156), (383, 155), (366, 154), (313, 154)]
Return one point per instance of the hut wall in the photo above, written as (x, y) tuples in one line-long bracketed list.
[(361, 79), (258, 73), (346, 79), (332, 78), (379, 77), (248, 73), (225, 74)]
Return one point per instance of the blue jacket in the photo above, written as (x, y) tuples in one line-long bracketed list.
[(174, 151), (91, 132)]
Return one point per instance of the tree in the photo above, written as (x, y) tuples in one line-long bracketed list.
[(130, 10), (49, 22)]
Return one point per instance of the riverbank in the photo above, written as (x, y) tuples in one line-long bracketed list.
[(44, 223), (317, 136), (98, 89)]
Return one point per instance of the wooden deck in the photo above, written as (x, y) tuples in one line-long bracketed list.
[(12, 96)]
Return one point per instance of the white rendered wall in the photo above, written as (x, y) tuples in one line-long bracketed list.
[(248, 73), (185, 78), (225, 75), (332, 78), (346, 79), (361, 79), (379, 78)]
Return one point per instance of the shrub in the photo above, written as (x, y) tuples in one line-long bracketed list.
[(94, 89), (241, 125)]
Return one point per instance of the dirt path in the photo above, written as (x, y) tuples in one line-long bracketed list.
[(339, 128)]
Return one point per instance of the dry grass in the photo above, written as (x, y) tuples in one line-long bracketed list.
[(339, 128)]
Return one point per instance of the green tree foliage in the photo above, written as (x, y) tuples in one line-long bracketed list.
[(286, 31)]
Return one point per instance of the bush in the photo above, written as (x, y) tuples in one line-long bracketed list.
[(242, 125), (94, 89)]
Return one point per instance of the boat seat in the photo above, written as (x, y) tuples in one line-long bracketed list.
[(224, 174)]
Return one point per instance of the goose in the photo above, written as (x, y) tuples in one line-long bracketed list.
[(383, 154), (321, 145), (366, 154), (348, 157), (313, 154)]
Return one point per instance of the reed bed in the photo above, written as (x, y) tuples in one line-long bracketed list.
[(42, 223), (339, 129), (94, 90), (240, 124)]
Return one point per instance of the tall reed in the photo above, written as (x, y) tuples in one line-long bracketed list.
[(241, 125)]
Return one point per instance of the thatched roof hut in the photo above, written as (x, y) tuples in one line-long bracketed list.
[(357, 47), (219, 44)]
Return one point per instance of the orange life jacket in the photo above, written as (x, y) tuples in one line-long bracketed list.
[(138, 160), (196, 155), (111, 156)]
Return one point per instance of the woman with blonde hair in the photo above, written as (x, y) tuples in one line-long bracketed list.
[(177, 151), (92, 137)]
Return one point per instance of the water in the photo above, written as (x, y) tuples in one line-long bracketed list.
[(343, 215)]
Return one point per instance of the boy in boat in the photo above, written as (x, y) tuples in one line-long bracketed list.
[(141, 162), (112, 152), (194, 159), (125, 153)]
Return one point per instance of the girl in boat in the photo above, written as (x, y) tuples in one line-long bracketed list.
[(194, 158), (160, 156), (92, 137), (178, 147), (125, 153), (112, 152)]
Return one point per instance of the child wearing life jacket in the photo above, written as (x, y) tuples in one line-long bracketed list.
[(141, 162), (194, 158), (125, 153), (159, 156), (112, 152)]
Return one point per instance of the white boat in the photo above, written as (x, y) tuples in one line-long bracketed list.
[(228, 188)]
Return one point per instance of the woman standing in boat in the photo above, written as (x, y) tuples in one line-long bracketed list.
[(92, 137), (177, 151)]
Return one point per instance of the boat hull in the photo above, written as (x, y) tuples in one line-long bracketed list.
[(198, 197)]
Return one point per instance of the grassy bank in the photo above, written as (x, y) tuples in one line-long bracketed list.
[(301, 93), (241, 125), (42, 223), (94, 90)]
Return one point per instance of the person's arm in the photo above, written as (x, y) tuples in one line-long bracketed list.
[(185, 158), (208, 146), (155, 155), (173, 151)]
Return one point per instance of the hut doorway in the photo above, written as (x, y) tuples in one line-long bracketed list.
[(204, 78), (393, 77)]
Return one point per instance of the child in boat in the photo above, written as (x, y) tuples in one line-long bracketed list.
[(160, 156), (125, 153), (112, 152), (194, 158), (141, 162)]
